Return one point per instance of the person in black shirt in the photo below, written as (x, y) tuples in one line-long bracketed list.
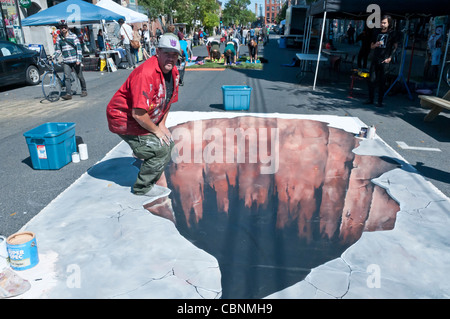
[(384, 44), (366, 40)]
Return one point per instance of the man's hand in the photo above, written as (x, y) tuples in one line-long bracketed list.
[(388, 60), (163, 138), (166, 132)]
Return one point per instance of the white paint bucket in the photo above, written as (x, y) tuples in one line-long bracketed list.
[(75, 157), (82, 149)]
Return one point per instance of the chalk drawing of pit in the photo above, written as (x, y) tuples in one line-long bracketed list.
[(294, 197)]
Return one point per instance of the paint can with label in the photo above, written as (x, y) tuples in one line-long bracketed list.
[(22, 250), (3, 253)]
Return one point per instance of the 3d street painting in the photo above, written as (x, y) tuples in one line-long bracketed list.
[(261, 206), (271, 198)]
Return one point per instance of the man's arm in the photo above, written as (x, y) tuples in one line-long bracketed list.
[(57, 48), (79, 50)]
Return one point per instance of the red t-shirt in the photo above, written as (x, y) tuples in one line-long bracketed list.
[(145, 88)]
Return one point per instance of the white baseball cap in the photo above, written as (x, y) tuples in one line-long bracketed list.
[(169, 42)]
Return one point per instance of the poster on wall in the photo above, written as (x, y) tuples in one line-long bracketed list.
[(11, 23)]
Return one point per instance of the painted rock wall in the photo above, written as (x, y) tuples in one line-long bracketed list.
[(268, 193)]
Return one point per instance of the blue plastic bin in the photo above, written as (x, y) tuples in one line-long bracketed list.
[(236, 97), (51, 145)]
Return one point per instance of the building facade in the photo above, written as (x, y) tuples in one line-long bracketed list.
[(272, 7)]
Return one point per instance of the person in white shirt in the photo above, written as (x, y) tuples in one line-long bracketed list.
[(244, 35), (146, 38), (126, 33)]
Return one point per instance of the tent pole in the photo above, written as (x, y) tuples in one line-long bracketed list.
[(400, 76), (320, 49), (306, 40), (443, 64)]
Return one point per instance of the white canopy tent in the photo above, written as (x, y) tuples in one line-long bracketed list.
[(131, 16)]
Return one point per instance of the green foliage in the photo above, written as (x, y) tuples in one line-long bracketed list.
[(211, 20), (205, 11), (236, 12)]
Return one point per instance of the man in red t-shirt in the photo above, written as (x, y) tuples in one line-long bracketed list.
[(138, 111)]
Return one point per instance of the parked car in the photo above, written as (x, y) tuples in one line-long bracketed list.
[(18, 64)]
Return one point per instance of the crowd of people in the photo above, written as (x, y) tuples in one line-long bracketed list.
[(140, 44)]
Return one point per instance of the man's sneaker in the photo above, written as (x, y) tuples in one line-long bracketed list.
[(66, 97), (158, 191), (83, 93), (155, 193)]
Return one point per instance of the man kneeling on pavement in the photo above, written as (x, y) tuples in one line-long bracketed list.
[(69, 46), (138, 111)]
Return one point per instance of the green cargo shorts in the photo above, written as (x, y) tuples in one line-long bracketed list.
[(155, 159)]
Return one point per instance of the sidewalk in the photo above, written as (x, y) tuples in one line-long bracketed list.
[(96, 240)]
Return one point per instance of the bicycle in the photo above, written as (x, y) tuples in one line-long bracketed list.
[(52, 83)]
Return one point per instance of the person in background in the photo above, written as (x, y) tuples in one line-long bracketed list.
[(136, 37), (253, 50), (126, 34), (195, 39), (351, 34), (100, 40), (183, 58), (365, 37), (68, 45), (265, 36), (244, 35), (200, 36), (180, 34), (435, 44), (384, 43), (138, 112), (236, 47), (230, 53), (215, 50), (146, 39)]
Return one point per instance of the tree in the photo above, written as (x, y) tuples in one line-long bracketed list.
[(236, 12), (185, 11), (282, 13), (211, 20), (157, 8)]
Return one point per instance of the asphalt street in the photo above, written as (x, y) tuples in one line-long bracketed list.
[(275, 89)]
